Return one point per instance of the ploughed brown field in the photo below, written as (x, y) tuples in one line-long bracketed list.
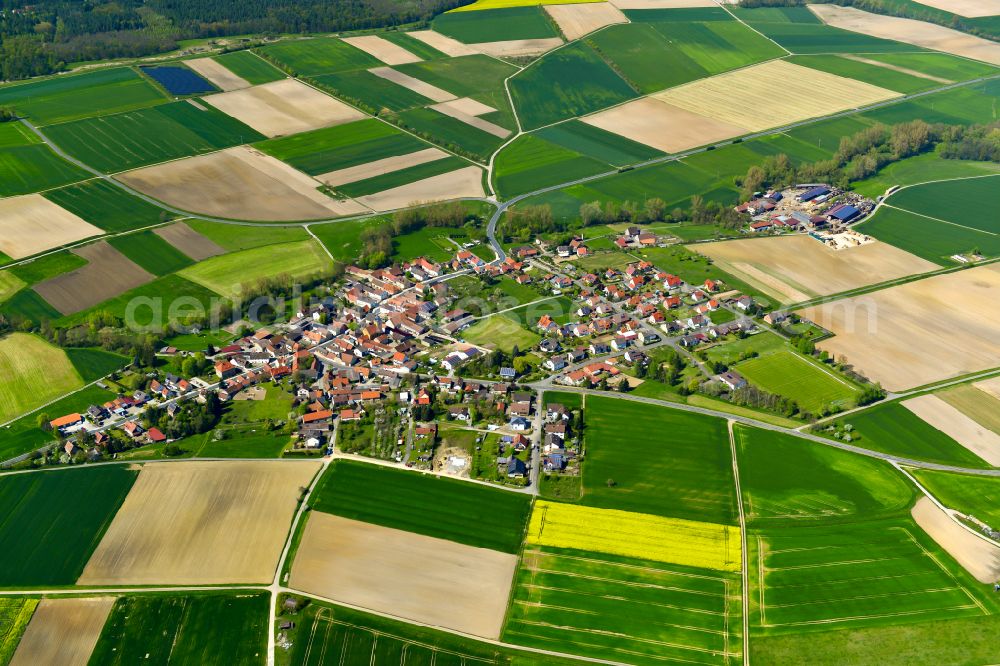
[(107, 274), (63, 631)]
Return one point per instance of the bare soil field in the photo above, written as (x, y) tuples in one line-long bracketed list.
[(31, 224), (416, 85), (897, 68), (937, 413), (444, 44), (662, 126), (575, 21), (241, 184), (991, 386), (808, 266), (466, 110), (909, 31), (978, 556), (465, 182), (107, 274), (63, 631), (805, 93), (662, 4), (382, 166), (283, 107), (967, 8), (218, 74), (920, 332), (516, 48), (189, 241), (199, 523), (383, 49), (420, 578)]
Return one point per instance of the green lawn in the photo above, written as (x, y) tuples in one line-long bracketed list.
[(223, 629), (435, 506), (49, 532), (621, 609), (95, 363), (107, 206), (149, 136), (34, 372), (71, 96), (788, 374), (657, 460), (502, 332), (571, 81), (226, 273), (151, 252), (249, 66), (977, 496), (787, 480)]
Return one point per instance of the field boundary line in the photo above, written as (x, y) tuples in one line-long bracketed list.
[(945, 569), (938, 219), (744, 565), (878, 616), (726, 9)]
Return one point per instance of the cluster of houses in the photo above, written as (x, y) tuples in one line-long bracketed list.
[(636, 238), (804, 208)]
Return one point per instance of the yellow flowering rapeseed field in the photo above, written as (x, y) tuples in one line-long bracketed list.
[(639, 535)]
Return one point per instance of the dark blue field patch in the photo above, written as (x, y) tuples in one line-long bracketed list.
[(179, 80)]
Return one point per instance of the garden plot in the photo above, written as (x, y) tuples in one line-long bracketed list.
[(195, 523), (966, 8), (909, 31), (443, 43), (575, 21), (463, 183), (383, 49), (410, 83), (518, 48), (671, 540), (419, 578), (31, 224), (381, 167), (663, 126), (896, 336), (63, 631), (189, 241), (936, 412), (107, 274), (239, 183), (979, 556), (796, 268), (218, 74), (773, 94), (467, 110), (283, 107)]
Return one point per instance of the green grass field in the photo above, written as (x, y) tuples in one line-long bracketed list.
[(412, 44), (151, 252), (47, 267), (226, 273), (13, 135), (894, 429), (342, 146), (320, 55), (401, 177), (370, 92), (868, 574), (93, 364), (977, 496), (800, 31), (450, 133), (960, 106), (661, 461), (241, 237), (162, 291), (958, 202), (431, 242), (861, 71), (218, 629), (930, 239), (68, 97), (791, 481), (34, 372), (249, 66), (786, 373), (598, 144), (625, 610), (49, 532), (502, 331), (694, 51), (29, 305), (530, 163), (495, 24), (107, 206), (10, 284), (435, 506), (138, 138), (940, 65), (343, 239), (15, 613), (32, 168), (920, 169), (572, 81)]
